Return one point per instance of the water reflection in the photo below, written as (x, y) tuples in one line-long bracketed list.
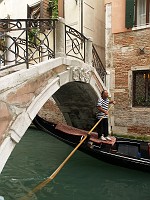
[(37, 156)]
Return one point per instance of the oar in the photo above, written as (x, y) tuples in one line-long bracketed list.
[(50, 178)]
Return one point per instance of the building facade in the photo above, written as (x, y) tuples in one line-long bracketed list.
[(128, 61), (88, 17)]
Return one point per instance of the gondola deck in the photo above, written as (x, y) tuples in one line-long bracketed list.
[(78, 132)]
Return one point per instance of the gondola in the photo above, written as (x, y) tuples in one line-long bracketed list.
[(124, 152)]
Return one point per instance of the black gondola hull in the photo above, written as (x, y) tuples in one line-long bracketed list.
[(104, 153)]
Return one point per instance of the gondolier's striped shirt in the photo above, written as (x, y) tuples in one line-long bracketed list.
[(104, 104)]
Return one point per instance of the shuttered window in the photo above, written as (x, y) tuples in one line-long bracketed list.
[(137, 13), (41, 9), (38, 10), (142, 9), (33, 11), (141, 88), (129, 19)]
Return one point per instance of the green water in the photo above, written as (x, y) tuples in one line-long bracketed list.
[(83, 178)]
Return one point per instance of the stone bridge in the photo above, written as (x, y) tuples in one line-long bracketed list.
[(75, 85)]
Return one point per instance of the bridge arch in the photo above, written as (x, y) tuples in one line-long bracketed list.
[(77, 101), (29, 89)]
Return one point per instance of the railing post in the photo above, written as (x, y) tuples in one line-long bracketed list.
[(88, 51), (60, 38), (27, 52)]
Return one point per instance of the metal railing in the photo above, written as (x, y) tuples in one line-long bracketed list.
[(98, 65), (75, 43), (26, 41)]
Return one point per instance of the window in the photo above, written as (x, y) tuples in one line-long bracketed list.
[(142, 12), (141, 88), (137, 13), (33, 11)]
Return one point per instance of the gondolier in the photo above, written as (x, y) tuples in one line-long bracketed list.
[(102, 112)]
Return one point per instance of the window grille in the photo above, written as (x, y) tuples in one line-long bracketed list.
[(141, 88)]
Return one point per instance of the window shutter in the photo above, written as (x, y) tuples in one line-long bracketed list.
[(129, 13), (28, 11)]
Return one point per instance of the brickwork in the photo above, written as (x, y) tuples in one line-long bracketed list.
[(51, 112), (140, 130), (127, 57), (45, 13)]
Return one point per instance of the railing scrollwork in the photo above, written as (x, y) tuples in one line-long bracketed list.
[(26, 41), (75, 43), (98, 65)]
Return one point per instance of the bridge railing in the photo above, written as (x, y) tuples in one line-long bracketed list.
[(26, 41), (75, 46), (74, 43), (98, 65)]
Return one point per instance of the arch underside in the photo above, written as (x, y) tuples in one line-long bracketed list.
[(77, 101)]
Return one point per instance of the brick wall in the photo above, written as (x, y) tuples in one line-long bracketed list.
[(126, 58), (51, 112)]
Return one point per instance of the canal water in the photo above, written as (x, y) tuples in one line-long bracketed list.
[(37, 156)]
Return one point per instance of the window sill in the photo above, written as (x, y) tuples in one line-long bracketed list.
[(140, 27)]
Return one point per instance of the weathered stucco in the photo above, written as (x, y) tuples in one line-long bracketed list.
[(5, 119), (118, 15)]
